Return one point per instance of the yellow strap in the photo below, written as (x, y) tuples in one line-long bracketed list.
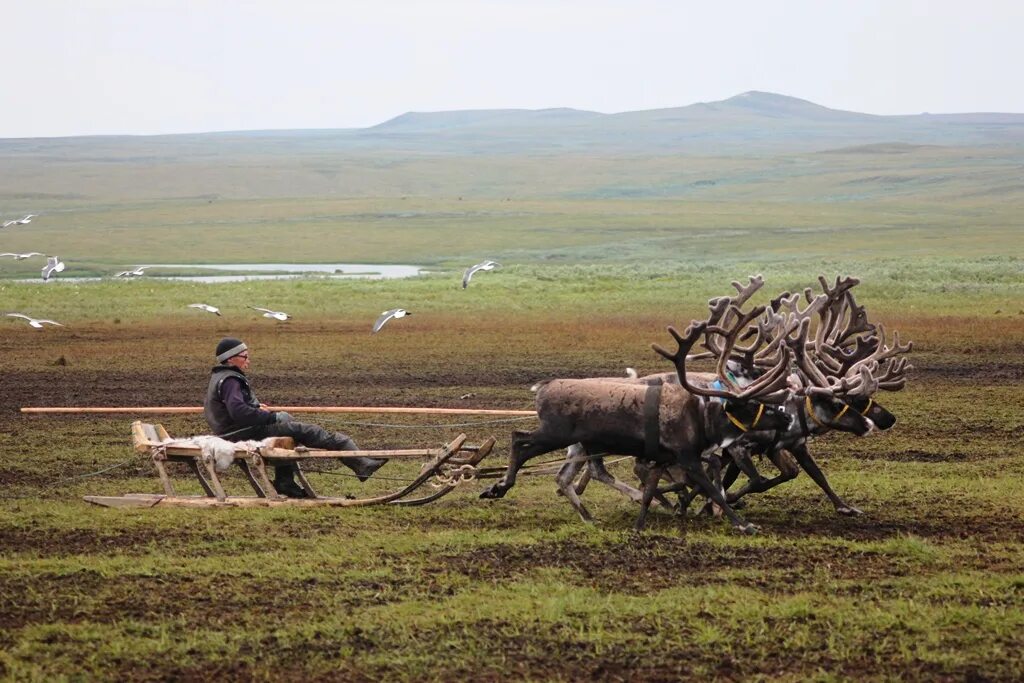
[(810, 411), (871, 402), (760, 412), (735, 421)]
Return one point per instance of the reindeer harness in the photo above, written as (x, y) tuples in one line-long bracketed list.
[(808, 408), (652, 427)]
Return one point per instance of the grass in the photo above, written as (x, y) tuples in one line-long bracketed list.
[(927, 585)]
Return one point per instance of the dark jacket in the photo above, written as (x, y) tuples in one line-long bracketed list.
[(230, 403)]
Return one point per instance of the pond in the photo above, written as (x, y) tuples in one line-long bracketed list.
[(261, 271)]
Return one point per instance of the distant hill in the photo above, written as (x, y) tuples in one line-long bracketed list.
[(750, 123), (755, 146)]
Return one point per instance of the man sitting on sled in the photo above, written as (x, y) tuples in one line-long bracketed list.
[(233, 413)]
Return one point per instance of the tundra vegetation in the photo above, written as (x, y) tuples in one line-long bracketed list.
[(925, 585)]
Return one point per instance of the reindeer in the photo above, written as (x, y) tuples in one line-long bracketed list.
[(834, 363), (664, 424), (821, 407), (724, 311)]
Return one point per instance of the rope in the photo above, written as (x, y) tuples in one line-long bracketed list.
[(436, 425), (529, 467), (65, 480)]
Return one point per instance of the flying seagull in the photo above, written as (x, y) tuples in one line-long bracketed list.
[(486, 265), (20, 221), (34, 322), (21, 257), (132, 273), (388, 315), (53, 265), (267, 313), (206, 307)]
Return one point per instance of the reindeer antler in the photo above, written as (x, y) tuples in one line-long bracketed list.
[(770, 383), (721, 308), (893, 371), (883, 352)]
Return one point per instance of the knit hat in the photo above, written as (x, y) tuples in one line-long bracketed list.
[(229, 347)]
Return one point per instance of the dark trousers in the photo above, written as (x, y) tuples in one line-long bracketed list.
[(308, 435)]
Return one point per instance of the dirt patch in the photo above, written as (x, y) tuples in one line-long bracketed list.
[(51, 542), (641, 564), (936, 520), (984, 372), (234, 600), (914, 455)]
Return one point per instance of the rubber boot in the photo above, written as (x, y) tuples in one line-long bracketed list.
[(363, 467), (284, 481)]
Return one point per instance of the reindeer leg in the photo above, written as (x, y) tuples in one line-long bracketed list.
[(787, 472), (714, 466), (640, 470), (696, 471), (800, 452), (523, 448), (575, 461), (732, 472), (739, 461), (600, 473), (650, 488), (581, 485)]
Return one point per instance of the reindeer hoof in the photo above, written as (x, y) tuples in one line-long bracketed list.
[(848, 511), (493, 492), (748, 529)]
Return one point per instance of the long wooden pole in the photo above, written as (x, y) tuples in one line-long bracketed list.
[(290, 409)]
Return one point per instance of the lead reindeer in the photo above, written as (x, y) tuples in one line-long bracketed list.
[(826, 406), (857, 372), (826, 403), (664, 425)]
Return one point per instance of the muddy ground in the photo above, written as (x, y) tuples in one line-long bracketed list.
[(926, 585)]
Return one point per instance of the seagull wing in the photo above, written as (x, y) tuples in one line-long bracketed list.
[(17, 315), (264, 310), (468, 275), (7, 253), (49, 322), (384, 317)]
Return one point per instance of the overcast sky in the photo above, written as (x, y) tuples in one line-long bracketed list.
[(83, 67)]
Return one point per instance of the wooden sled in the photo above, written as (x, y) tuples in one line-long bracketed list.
[(448, 466)]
